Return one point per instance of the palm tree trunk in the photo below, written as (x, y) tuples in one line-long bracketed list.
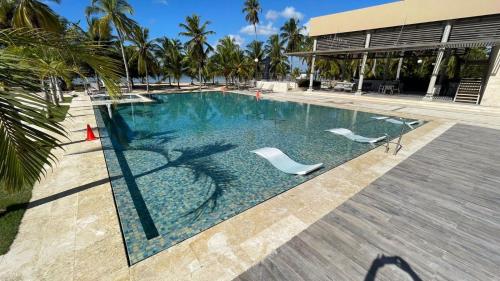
[(179, 83), (45, 92), (48, 114), (199, 76), (147, 80), (124, 60), (55, 99), (58, 89)]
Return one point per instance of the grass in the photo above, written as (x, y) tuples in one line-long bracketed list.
[(13, 205)]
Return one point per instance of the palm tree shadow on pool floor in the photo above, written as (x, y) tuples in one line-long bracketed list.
[(199, 161)]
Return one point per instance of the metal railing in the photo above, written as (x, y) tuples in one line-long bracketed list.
[(398, 144)]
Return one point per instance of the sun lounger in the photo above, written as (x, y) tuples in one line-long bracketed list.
[(257, 88), (283, 163), (398, 122), (350, 135), (267, 88), (381, 117)]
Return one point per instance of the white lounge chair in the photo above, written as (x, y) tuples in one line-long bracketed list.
[(398, 122), (267, 88), (257, 87), (350, 135), (283, 163), (380, 117)]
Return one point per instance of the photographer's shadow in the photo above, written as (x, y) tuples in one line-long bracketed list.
[(382, 261)]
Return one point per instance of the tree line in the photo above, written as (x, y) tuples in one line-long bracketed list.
[(41, 51), (168, 59)]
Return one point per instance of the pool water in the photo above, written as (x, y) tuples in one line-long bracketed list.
[(183, 164)]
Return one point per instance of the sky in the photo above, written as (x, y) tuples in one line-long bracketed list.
[(162, 17)]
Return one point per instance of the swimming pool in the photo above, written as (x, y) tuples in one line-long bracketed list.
[(183, 164)]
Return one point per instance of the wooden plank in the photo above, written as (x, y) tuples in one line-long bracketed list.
[(439, 211)]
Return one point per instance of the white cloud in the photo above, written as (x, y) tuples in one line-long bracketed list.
[(238, 40), (272, 15), (305, 30), (290, 12), (162, 2), (287, 13), (268, 29)]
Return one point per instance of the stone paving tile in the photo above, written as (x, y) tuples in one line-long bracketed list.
[(72, 232)]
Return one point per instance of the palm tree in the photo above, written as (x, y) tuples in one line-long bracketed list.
[(29, 14), (197, 46), (275, 49), (211, 69), (143, 52), (255, 51), (224, 57), (242, 64), (162, 49), (295, 73), (26, 134), (251, 9), (292, 35), (115, 12), (99, 33), (176, 63)]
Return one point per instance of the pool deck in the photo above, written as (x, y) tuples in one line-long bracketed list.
[(71, 230), (433, 217)]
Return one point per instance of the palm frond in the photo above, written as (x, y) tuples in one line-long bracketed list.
[(26, 138)]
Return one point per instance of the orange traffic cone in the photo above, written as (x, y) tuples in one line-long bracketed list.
[(90, 134)]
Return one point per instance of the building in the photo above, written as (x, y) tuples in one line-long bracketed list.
[(400, 28)]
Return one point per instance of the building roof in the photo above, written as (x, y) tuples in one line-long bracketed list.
[(401, 13), (399, 48)]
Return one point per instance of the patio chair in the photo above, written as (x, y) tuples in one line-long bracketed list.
[(381, 87), (349, 87), (92, 91), (284, 163), (339, 86), (397, 88), (267, 88), (350, 135), (256, 88)]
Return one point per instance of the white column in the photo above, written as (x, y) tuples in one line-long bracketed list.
[(363, 64), (400, 64), (491, 94), (437, 64), (311, 77)]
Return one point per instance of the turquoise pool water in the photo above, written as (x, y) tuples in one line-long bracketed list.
[(183, 164)]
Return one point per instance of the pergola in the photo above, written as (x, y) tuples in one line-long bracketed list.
[(436, 36)]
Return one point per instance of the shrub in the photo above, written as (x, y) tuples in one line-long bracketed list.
[(304, 83)]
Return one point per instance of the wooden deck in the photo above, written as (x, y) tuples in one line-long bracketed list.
[(436, 216)]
